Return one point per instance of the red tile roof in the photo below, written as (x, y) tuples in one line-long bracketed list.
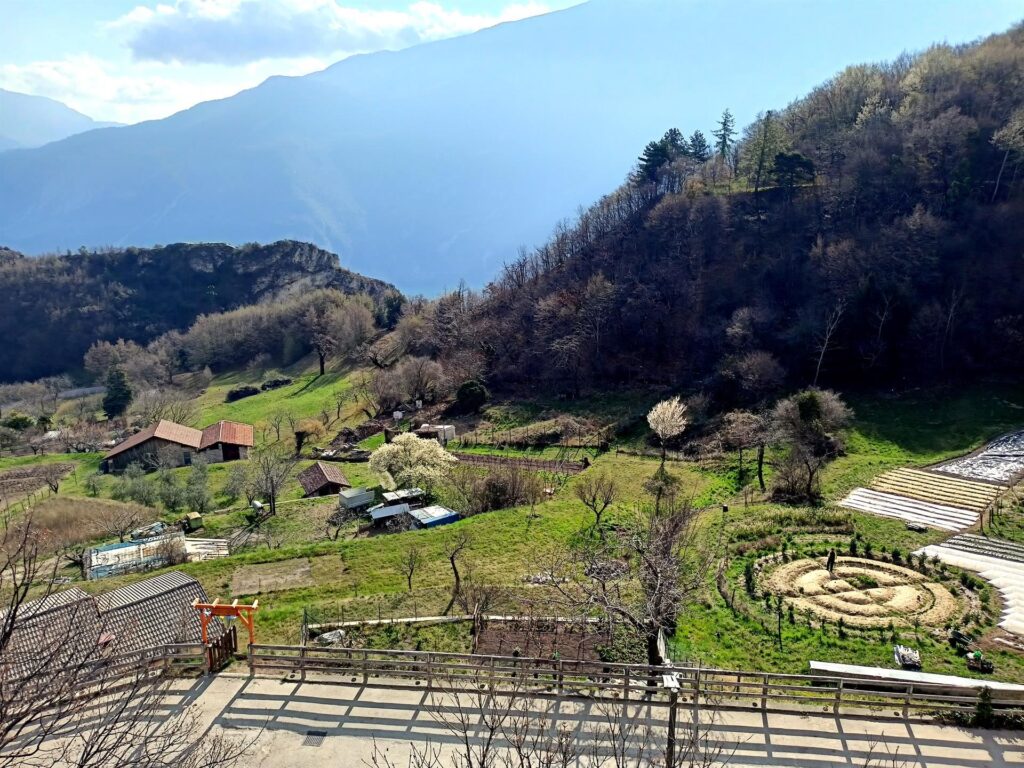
[(315, 477), (163, 430), (230, 432)]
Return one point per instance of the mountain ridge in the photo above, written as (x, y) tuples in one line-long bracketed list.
[(28, 121), (427, 165)]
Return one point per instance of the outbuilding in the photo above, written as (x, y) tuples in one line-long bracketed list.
[(323, 479), (433, 516)]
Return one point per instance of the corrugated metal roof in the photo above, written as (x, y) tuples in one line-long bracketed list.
[(383, 513), (163, 430), (230, 432), (434, 515)]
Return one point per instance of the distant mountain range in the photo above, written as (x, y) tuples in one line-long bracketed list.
[(435, 163), (32, 121)]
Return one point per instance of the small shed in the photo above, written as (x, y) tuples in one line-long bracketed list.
[(323, 479), (443, 433), (406, 495), (355, 498), (382, 514), (433, 516)]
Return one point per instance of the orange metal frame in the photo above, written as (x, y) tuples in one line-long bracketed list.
[(244, 613)]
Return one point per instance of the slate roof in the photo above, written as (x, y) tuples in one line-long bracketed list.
[(230, 432), (164, 430), (319, 474)]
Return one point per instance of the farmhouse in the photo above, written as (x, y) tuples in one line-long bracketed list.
[(176, 444), (322, 479)]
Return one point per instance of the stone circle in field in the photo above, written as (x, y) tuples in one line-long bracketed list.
[(863, 593)]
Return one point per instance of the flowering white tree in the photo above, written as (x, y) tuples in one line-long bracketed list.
[(413, 461), (667, 419)]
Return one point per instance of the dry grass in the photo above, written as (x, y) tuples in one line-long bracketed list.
[(74, 520), (863, 593)]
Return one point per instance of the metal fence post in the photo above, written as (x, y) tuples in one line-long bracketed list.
[(839, 698)]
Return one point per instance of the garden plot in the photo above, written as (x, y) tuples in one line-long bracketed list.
[(999, 562), (271, 577), (1002, 461), (925, 513), (936, 488), (863, 593), (20, 481)]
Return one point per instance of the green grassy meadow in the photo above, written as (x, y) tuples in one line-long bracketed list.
[(362, 576)]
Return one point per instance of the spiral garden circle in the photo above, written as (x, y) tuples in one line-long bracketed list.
[(863, 593)]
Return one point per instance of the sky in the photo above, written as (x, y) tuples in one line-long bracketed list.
[(132, 60)]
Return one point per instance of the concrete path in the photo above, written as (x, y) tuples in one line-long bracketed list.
[(315, 723)]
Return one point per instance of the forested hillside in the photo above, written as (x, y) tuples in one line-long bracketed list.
[(55, 307), (872, 231)]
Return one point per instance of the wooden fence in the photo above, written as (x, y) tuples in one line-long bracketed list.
[(623, 682)]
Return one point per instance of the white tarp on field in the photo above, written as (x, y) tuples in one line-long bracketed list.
[(1002, 461), (925, 513), (999, 562)]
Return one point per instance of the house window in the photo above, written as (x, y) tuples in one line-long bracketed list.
[(187, 458)]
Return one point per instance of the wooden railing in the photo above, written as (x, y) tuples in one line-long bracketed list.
[(623, 682)]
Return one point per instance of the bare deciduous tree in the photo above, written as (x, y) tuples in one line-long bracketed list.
[(412, 558), (271, 469), (661, 553), (597, 492), (454, 546)]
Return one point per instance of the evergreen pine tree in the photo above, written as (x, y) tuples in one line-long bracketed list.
[(699, 149), (724, 134), (119, 393), (654, 156)]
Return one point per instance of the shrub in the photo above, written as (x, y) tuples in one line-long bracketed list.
[(19, 422), (748, 578), (471, 396), (270, 384), (240, 392), (984, 713)]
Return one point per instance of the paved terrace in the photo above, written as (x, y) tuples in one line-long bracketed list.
[(346, 719)]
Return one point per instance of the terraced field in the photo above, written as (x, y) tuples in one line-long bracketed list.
[(999, 562), (939, 516), (937, 488)]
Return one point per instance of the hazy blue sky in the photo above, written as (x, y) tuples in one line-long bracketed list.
[(131, 60)]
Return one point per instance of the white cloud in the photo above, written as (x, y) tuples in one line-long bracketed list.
[(102, 91), (237, 32)]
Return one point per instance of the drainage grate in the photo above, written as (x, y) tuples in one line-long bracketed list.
[(314, 738)]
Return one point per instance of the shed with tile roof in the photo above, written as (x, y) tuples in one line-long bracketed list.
[(155, 611), (323, 479)]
